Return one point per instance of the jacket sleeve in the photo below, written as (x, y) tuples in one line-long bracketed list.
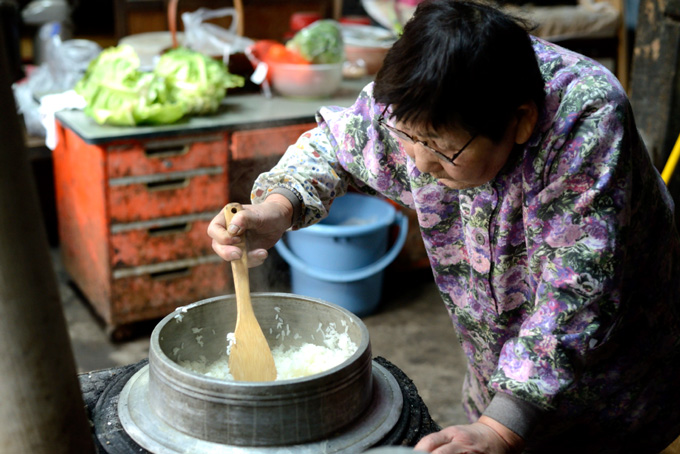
[(309, 170), (348, 147)]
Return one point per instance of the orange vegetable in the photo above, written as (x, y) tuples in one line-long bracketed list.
[(261, 47), (278, 53), (272, 52)]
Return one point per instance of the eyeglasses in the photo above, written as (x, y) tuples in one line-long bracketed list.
[(405, 136)]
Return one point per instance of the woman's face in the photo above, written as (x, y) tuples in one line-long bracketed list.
[(478, 163)]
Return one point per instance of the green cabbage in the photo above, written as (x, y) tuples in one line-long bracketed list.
[(320, 42), (187, 82), (118, 93), (196, 80)]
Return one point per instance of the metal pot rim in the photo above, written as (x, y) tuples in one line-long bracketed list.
[(192, 376)]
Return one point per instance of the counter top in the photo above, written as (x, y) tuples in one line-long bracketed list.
[(237, 112)]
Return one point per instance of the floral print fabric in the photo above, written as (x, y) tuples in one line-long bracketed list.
[(560, 275)]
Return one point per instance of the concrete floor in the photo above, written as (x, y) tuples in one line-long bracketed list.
[(411, 329)]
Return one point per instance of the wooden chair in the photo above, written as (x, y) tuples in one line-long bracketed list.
[(261, 18), (595, 28)]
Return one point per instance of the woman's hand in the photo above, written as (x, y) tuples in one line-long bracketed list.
[(264, 223), (485, 436)]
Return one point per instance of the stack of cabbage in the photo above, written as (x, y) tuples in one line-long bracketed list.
[(184, 82)]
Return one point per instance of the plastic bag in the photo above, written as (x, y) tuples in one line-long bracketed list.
[(28, 107), (64, 65), (212, 39)]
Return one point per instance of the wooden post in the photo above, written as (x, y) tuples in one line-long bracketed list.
[(41, 405), (654, 90)]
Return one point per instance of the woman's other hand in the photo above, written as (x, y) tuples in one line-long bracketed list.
[(485, 436), (264, 224)]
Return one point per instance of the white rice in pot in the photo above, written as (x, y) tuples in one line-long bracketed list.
[(293, 362)]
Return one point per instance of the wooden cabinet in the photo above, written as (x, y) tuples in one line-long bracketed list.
[(132, 222), (133, 215), (133, 204)]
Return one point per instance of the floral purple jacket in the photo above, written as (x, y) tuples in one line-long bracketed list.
[(561, 275)]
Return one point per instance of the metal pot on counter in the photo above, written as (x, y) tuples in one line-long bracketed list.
[(167, 408)]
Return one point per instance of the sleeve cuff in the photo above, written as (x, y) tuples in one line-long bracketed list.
[(292, 198), (515, 414)]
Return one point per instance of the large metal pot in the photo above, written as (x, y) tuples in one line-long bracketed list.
[(277, 413)]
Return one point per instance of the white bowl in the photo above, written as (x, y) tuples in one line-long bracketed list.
[(306, 81), (367, 43)]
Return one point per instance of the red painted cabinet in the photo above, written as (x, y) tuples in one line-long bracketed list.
[(133, 214)]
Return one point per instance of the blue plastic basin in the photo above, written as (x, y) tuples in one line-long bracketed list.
[(342, 258)]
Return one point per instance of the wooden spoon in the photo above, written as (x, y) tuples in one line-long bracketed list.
[(250, 358)]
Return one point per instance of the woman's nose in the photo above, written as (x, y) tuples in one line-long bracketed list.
[(425, 160)]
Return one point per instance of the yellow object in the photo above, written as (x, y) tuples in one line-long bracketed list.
[(673, 448), (672, 162)]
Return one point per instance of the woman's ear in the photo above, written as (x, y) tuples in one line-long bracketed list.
[(527, 116)]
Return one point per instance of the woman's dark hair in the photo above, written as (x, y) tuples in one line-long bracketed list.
[(460, 64)]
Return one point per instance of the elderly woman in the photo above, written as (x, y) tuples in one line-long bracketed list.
[(550, 234)]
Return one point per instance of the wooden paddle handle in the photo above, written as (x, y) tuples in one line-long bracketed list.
[(239, 267), (229, 211), (250, 358)]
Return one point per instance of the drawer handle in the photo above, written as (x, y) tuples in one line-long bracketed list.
[(175, 183), (166, 151), (169, 229), (170, 274)]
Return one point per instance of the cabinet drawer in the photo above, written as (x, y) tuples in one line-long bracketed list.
[(172, 194), (160, 240), (151, 292), (166, 155), (265, 142)]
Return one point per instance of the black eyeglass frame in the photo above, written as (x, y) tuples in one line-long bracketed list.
[(404, 135)]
